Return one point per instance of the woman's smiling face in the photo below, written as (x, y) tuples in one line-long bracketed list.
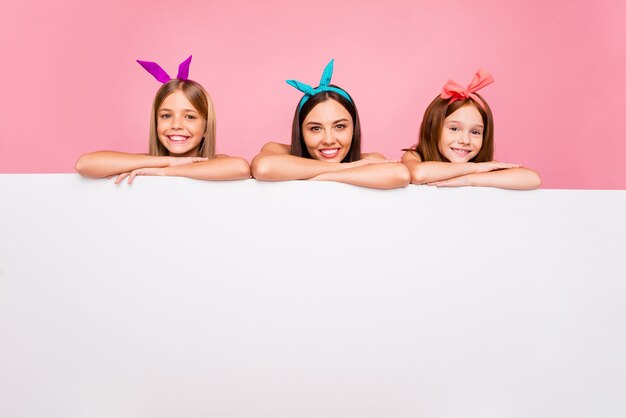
[(462, 134), (327, 131), (179, 126)]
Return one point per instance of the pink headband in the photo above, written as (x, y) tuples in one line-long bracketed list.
[(160, 74), (454, 91)]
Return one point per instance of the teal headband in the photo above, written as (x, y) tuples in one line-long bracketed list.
[(324, 86)]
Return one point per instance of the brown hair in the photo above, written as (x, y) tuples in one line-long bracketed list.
[(201, 101), (298, 148), (432, 124)]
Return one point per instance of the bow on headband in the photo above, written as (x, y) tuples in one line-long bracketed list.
[(324, 85), (160, 74), (454, 91)]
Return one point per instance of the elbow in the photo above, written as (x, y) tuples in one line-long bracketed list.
[(401, 175), (527, 179), (91, 165), (418, 176), (82, 165), (534, 181), (242, 169), (261, 168), (524, 179), (396, 175)]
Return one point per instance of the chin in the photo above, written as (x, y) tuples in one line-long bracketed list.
[(457, 159)]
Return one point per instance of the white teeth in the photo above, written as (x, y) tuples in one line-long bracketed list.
[(329, 151), (178, 138)]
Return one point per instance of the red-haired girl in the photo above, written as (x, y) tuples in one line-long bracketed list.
[(456, 143)]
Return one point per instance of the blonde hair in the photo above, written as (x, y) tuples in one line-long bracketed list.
[(201, 101)]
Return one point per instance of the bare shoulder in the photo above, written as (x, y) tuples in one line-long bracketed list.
[(275, 148), (411, 155), (374, 155)]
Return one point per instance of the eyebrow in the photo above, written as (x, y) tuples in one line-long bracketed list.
[(184, 110), (319, 123), (459, 122)]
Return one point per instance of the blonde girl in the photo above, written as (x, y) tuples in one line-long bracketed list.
[(182, 137)]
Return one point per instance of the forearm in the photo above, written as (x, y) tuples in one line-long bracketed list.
[(224, 168), (277, 167), (511, 178), (109, 163), (376, 176), (432, 171)]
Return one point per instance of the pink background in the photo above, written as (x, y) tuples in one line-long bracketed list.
[(71, 84)]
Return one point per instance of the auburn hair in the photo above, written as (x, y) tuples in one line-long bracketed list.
[(432, 124)]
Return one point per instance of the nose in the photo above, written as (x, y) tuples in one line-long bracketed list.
[(463, 138), (177, 122), (328, 138)]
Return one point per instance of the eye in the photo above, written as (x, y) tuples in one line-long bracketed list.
[(165, 116), (340, 126), (191, 117), (453, 128), (477, 132), (316, 129)]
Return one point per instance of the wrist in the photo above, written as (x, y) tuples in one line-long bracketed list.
[(353, 164), (329, 167), (167, 161), (479, 167)]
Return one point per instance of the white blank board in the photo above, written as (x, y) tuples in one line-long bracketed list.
[(180, 298)]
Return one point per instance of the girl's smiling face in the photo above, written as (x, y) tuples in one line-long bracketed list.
[(327, 131), (462, 134), (179, 126)]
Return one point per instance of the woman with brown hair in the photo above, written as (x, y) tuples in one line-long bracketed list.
[(326, 144), (182, 138)]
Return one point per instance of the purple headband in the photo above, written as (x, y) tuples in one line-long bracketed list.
[(160, 74)]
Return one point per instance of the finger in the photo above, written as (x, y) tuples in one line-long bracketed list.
[(120, 177), (447, 183), (131, 177), (503, 166), (198, 159)]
